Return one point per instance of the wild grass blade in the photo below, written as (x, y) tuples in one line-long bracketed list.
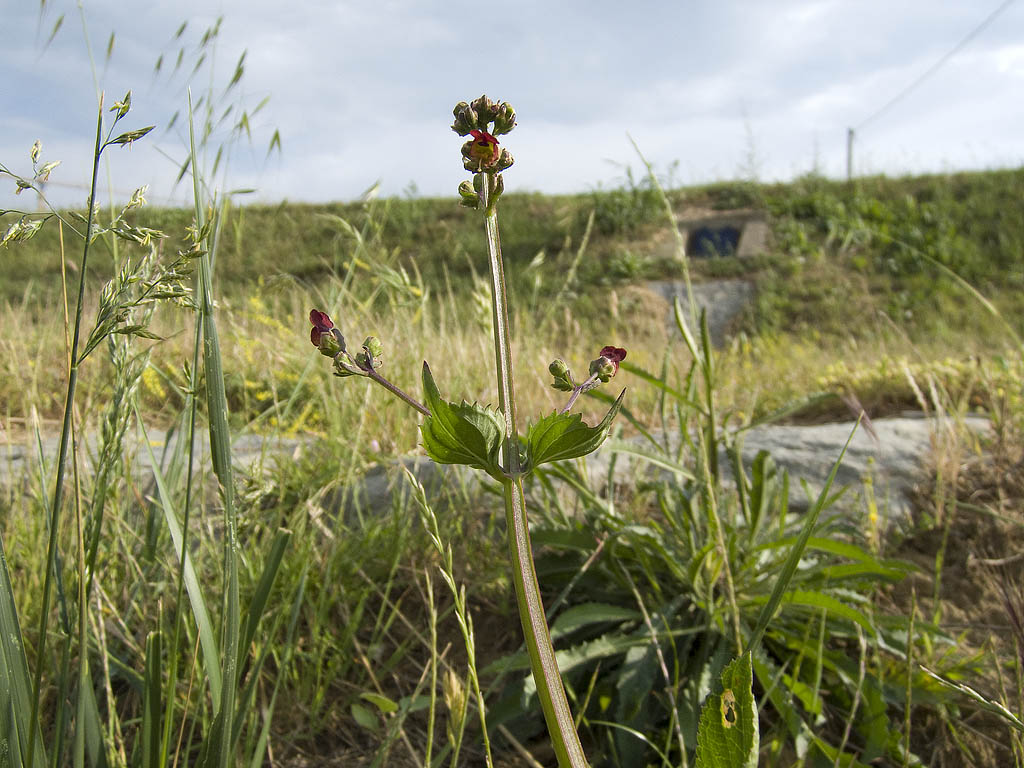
[(609, 400), (653, 457), (462, 614), (151, 703), (287, 651), (637, 735), (220, 450), (15, 678), (261, 594), (207, 635), (677, 236), (989, 705)]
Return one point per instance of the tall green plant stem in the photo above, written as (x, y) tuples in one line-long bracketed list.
[(62, 455), (220, 451), (561, 726)]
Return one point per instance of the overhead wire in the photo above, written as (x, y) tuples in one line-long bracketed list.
[(937, 65)]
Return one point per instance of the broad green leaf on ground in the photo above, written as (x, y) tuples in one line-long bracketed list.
[(461, 434), (727, 736), (383, 703), (585, 614), (562, 436), (365, 717)]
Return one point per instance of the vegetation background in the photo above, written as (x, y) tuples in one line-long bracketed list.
[(265, 615)]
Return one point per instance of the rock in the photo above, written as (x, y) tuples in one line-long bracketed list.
[(724, 301), (895, 458)]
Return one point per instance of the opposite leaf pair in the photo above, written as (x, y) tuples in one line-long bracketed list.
[(472, 434)]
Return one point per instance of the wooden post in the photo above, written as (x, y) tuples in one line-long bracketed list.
[(849, 154)]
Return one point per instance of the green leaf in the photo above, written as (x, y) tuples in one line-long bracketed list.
[(562, 436), (656, 456), (461, 434), (606, 646), (727, 736), (583, 615), (204, 623), (383, 703), (821, 600), (365, 717), (151, 707)]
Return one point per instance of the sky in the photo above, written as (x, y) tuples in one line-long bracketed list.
[(361, 93)]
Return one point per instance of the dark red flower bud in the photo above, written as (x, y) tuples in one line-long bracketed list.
[(607, 365), (615, 355), (321, 324)]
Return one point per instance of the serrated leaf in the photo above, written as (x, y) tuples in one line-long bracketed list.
[(460, 434), (562, 436), (727, 736)]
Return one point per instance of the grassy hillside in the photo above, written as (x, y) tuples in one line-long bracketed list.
[(889, 293), (855, 276), (841, 253)]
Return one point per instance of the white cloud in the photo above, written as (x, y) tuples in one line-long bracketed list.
[(364, 91)]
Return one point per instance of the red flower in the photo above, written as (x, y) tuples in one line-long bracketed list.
[(321, 324), (485, 146), (483, 138), (614, 355)]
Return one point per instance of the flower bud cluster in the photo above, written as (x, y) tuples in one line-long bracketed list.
[(482, 112), (369, 358), (481, 153), (469, 192)]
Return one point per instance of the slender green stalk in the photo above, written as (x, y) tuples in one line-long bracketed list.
[(220, 449), (670, 689), (83, 634), (432, 709), (462, 615), (372, 374), (65, 436), (550, 691), (909, 696), (670, 215)]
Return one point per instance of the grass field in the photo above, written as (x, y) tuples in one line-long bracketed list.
[(357, 657), (205, 615)]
